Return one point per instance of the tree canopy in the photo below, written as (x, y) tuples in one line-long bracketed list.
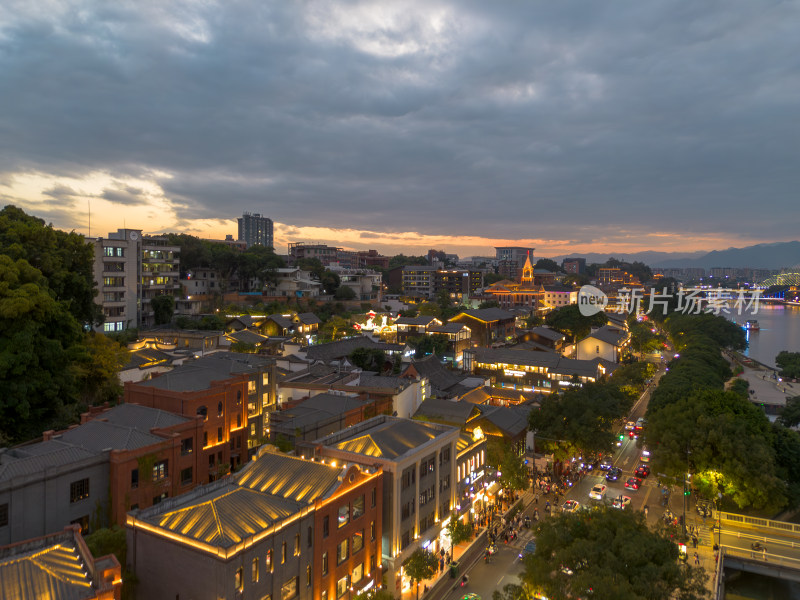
[(368, 359), (789, 363), (421, 565), (547, 264), (581, 420), (612, 553), (569, 320)]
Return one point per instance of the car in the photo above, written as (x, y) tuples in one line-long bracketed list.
[(529, 548), (614, 474), (642, 471), (588, 463), (607, 463), (471, 596), (633, 483), (570, 506), (621, 502), (630, 426), (598, 492), (633, 434), (645, 457), (640, 422)]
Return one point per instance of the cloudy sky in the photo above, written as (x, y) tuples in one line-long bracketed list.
[(569, 126)]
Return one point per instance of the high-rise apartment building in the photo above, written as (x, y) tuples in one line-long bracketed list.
[(255, 230), (130, 270)]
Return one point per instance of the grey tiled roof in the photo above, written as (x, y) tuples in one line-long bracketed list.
[(316, 409), (245, 336), (448, 411), (340, 349), (146, 356), (439, 376), (610, 335), (200, 373), (308, 318), (548, 333), (424, 320), (281, 321), (98, 436), (35, 458), (553, 362), (511, 420), (381, 382), (141, 417)]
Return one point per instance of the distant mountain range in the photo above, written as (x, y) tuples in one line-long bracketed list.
[(761, 256)]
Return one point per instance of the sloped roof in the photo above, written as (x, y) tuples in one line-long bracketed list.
[(281, 321), (510, 420), (271, 488), (609, 335), (314, 410), (225, 519), (146, 357), (382, 382), (340, 349), (448, 328), (308, 318), (99, 436), (390, 439), (51, 570), (198, 374), (448, 411), (548, 333), (247, 336), (483, 395), (487, 314), (141, 417), (35, 458), (434, 371)]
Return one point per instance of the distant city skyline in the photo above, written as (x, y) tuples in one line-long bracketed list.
[(460, 125)]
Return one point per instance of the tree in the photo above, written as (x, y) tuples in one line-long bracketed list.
[(98, 374), (491, 278), (429, 309), (547, 264), (375, 593), (333, 329), (513, 474), (489, 304), (581, 421), (368, 359), (401, 260), (789, 363), (344, 293), (163, 307), (459, 532), (613, 553), (425, 345), (570, 321), (421, 565), (512, 591), (790, 414)]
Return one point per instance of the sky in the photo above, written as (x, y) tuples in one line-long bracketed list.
[(402, 126)]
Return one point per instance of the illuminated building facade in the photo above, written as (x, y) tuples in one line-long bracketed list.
[(487, 325), (283, 527), (419, 482), (255, 230), (232, 392)]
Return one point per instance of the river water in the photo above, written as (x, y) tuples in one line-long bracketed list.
[(779, 330)]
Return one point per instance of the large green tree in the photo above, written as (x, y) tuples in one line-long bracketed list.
[(570, 321), (581, 421), (789, 363), (421, 565), (608, 554)]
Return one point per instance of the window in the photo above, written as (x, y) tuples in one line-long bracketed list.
[(254, 571), (205, 439), (358, 541), (324, 563), (219, 435), (324, 595), (283, 552), (310, 537), (79, 490), (269, 560), (158, 499), (341, 552), (297, 544), (372, 530), (405, 540), (374, 497), (3, 514), (325, 526), (341, 586), (186, 476), (160, 470), (238, 420), (358, 507), (344, 515), (210, 460), (186, 446), (238, 580), (289, 589), (219, 409), (358, 573), (203, 412), (308, 576), (83, 522), (135, 478)]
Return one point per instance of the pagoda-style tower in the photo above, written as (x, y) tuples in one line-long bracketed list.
[(527, 270)]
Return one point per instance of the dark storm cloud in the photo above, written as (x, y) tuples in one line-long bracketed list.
[(496, 119), (126, 195)]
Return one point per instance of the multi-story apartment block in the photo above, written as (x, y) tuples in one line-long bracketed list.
[(325, 254), (255, 230), (428, 282), (130, 270), (283, 527), (232, 392), (419, 481), (510, 260), (574, 266)]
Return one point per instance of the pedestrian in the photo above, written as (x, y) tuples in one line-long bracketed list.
[(696, 558), (646, 510), (694, 541)]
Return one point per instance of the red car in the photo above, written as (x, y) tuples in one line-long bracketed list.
[(642, 472), (633, 483)]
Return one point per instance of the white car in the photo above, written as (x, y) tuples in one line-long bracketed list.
[(598, 492), (622, 502), (570, 506)]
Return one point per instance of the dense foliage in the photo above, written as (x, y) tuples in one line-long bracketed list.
[(51, 367), (608, 554), (569, 321), (581, 421), (789, 364)]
